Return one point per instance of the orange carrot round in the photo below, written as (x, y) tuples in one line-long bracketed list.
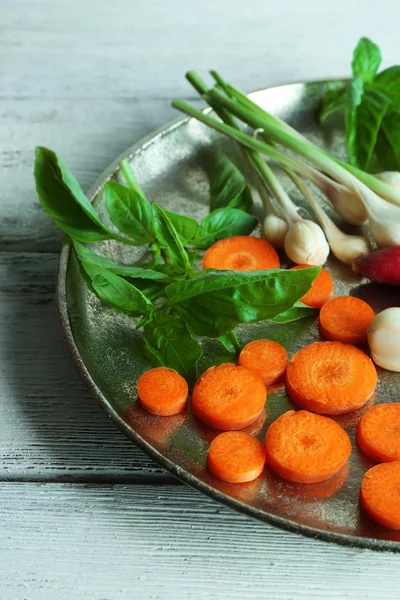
[(236, 457), (228, 397), (378, 433), (321, 290), (331, 378), (345, 319), (162, 391), (266, 359), (241, 253), (306, 448), (380, 494)]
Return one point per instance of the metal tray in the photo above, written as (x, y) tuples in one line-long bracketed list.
[(171, 165)]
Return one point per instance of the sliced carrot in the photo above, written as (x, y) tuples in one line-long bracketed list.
[(241, 253), (345, 319), (228, 397), (380, 494), (331, 378), (378, 433), (321, 290), (236, 457), (306, 448), (266, 359), (162, 391), (306, 492)]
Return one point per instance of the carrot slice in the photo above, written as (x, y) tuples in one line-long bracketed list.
[(266, 359), (380, 494), (228, 397), (162, 391), (306, 448), (378, 433), (321, 290), (345, 319), (236, 457), (331, 378), (241, 253)]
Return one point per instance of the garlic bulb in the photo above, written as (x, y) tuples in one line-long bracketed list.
[(347, 203), (275, 229), (392, 178), (384, 218), (305, 243), (383, 339)]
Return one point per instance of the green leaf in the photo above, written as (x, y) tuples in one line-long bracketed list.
[(63, 200), (185, 226), (170, 344), (230, 342), (366, 59), (222, 223), (228, 186), (388, 144), (117, 293), (333, 101), (355, 93), (130, 212), (169, 241), (215, 302), (388, 82), (298, 311)]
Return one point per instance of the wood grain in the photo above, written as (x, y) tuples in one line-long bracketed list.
[(51, 427), (147, 542)]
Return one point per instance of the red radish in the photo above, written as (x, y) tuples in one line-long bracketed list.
[(382, 265)]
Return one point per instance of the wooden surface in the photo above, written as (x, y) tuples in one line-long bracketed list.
[(83, 512)]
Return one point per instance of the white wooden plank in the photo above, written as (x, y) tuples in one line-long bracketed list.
[(50, 425), (146, 542)]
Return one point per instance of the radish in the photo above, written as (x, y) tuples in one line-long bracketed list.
[(382, 265)]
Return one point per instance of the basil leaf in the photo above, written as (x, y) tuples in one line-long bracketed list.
[(388, 144), (215, 302), (228, 186), (90, 258), (369, 118), (230, 342), (130, 212), (366, 59), (185, 226), (170, 344), (355, 93), (63, 200), (333, 101), (222, 223), (169, 241), (388, 82), (117, 293), (298, 311)]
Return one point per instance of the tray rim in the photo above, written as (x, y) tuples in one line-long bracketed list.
[(182, 474)]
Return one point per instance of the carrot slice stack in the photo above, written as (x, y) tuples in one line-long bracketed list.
[(321, 290), (345, 319), (306, 448), (162, 391), (330, 378), (241, 253), (266, 359), (236, 457), (228, 397), (378, 433), (380, 494)]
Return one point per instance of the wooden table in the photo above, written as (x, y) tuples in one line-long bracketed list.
[(83, 512)]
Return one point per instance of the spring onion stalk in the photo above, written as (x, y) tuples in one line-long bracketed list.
[(346, 248), (391, 178)]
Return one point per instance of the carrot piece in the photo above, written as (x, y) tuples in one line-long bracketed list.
[(378, 433), (266, 359), (306, 448), (228, 397), (241, 253), (380, 494), (162, 391), (321, 290), (331, 378), (345, 319), (236, 457)]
